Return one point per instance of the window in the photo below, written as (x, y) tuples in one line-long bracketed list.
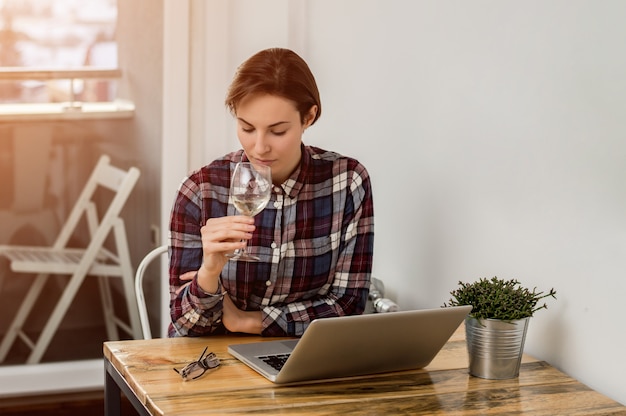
[(53, 52), (50, 50), (57, 61)]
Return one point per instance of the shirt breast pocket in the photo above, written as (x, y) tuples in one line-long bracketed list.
[(314, 263)]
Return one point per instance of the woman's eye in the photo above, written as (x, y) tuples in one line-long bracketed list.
[(279, 133), (247, 130)]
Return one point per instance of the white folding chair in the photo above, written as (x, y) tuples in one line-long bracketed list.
[(141, 301), (93, 260)]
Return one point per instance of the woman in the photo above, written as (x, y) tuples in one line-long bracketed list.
[(315, 237)]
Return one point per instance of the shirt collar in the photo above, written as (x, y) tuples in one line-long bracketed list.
[(296, 181)]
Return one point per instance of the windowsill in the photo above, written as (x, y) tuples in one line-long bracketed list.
[(118, 109), (48, 378)]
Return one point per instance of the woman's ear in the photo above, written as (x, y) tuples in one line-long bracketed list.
[(310, 117)]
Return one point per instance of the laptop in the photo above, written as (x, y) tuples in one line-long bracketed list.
[(354, 345)]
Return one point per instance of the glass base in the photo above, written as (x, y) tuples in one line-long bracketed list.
[(241, 255)]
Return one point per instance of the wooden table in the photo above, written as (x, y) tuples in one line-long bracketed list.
[(143, 371)]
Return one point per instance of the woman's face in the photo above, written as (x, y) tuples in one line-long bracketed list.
[(270, 131)]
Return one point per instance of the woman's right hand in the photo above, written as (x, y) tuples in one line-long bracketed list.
[(221, 236)]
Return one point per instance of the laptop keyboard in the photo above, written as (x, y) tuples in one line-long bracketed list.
[(275, 361)]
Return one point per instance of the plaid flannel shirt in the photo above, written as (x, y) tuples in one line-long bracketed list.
[(315, 239)]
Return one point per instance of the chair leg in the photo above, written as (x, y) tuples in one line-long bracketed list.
[(128, 279), (133, 312), (108, 308), (22, 314), (57, 315)]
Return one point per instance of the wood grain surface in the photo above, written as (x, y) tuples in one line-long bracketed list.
[(444, 387)]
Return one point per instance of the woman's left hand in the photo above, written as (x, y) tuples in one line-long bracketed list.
[(236, 320)]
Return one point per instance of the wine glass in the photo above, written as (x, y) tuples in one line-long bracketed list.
[(250, 191)]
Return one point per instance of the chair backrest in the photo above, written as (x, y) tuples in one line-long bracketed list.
[(141, 301), (115, 179)]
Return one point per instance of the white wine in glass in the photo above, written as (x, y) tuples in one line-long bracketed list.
[(250, 190)]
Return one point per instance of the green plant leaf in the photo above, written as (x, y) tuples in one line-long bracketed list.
[(501, 299)]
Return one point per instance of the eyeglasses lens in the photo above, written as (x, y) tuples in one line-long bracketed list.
[(192, 371), (197, 368)]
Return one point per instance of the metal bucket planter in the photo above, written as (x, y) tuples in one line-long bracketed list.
[(495, 347)]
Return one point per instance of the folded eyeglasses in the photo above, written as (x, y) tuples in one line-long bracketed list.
[(197, 368)]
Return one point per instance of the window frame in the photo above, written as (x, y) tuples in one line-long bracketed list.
[(27, 111)]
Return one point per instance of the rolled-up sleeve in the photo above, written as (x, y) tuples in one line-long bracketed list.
[(193, 311)]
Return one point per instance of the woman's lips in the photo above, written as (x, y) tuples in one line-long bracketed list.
[(265, 162)]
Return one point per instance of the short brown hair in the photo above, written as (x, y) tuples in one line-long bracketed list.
[(279, 72)]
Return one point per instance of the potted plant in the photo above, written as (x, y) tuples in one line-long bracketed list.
[(496, 327)]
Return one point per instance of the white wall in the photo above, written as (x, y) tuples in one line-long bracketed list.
[(494, 134)]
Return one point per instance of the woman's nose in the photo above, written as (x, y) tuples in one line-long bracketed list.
[(261, 145)]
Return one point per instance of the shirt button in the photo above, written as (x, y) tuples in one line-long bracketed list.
[(277, 189), (276, 204), (268, 283), (274, 245)]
